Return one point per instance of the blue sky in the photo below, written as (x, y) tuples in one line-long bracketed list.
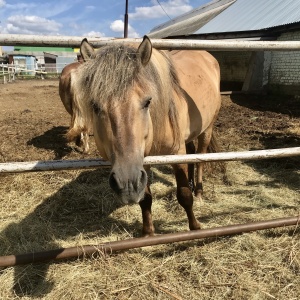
[(89, 18)]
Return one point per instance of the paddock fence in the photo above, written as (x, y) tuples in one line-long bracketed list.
[(10, 72), (83, 251)]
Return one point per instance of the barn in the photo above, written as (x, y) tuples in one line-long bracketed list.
[(23, 61), (249, 71)]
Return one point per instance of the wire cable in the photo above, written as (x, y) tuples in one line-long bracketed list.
[(163, 9)]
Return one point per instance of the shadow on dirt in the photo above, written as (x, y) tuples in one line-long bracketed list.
[(54, 140), (288, 105), (271, 122), (282, 170)]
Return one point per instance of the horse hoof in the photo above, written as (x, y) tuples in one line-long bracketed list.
[(198, 193), (196, 226), (148, 234)]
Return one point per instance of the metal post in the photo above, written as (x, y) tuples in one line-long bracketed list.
[(126, 20)]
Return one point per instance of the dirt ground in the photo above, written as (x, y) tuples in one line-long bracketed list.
[(47, 210), (33, 122)]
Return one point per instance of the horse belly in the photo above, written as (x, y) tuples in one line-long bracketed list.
[(199, 76)]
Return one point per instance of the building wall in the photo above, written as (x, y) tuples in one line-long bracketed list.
[(285, 68), (270, 71), (234, 65), (62, 61)]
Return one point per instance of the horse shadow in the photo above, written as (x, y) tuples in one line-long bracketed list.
[(63, 215), (54, 140)]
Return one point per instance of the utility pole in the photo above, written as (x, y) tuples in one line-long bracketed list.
[(126, 20)]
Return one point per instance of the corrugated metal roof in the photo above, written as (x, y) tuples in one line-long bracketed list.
[(189, 22), (231, 16), (245, 15)]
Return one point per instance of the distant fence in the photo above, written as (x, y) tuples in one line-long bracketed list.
[(9, 72)]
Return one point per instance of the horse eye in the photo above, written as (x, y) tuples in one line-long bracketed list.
[(96, 108), (147, 102)]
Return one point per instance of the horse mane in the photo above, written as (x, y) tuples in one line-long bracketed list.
[(115, 69)]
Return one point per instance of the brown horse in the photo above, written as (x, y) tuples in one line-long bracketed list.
[(67, 97), (143, 101)]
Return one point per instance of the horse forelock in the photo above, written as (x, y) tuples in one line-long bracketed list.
[(111, 72)]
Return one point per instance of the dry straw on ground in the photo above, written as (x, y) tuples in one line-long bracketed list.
[(47, 210)]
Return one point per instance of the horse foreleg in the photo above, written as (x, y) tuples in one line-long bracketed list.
[(185, 195), (145, 204), (203, 142)]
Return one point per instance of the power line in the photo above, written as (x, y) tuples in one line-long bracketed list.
[(163, 9)]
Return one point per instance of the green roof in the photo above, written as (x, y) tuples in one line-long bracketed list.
[(43, 49)]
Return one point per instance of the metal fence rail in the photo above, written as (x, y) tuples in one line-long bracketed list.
[(211, 45), (56, 165)]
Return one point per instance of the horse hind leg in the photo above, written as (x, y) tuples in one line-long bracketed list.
[(185, 195), (204, 140), (191, 149), (82, 140)]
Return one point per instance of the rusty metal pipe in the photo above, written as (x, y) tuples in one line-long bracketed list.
[(109, 247)]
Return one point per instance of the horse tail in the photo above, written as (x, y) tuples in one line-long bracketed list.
[(214, 147)]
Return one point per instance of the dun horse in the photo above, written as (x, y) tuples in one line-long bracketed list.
[(143, 101)]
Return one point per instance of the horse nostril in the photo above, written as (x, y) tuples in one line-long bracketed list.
[(114, 182)]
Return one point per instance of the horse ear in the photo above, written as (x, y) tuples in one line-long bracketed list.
[(86, 49), (145, 50)]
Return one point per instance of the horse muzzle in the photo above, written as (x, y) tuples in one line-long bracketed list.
[(129, 186)]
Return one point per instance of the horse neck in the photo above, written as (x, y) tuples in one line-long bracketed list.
[(166, 111)]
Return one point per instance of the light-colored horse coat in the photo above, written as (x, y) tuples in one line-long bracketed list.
[(148, 102)]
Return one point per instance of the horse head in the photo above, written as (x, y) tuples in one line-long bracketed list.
[(120, 101)]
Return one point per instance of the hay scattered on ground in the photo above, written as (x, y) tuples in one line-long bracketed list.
[(49, 210)]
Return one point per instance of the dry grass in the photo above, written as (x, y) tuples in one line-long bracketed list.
[(48, 210)]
